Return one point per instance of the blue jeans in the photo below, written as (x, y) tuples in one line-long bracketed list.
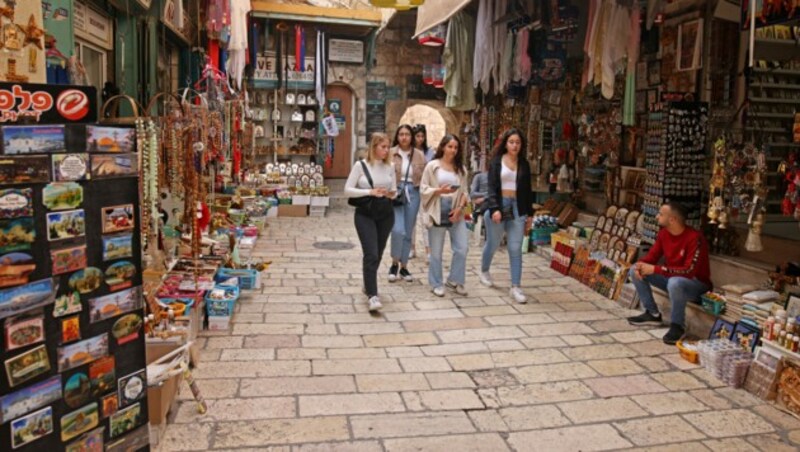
[(681, 290), (458, 243), (405, 217), (515, 232)]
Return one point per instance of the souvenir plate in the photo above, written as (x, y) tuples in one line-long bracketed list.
[(614, 240), (319, 178), (601, 222), (640, 225), (311, 116), (77, 390), (70, 167), (611, 211), (62, 196), (270, 167), (132, 388), (120, 275), (630, 221), (15, 269), (619, 218), (304, 179), (604, 239), (595, 240), (126, 328), (609, 224), (614, 230), (620, 245), (301, 99), (295, 166)]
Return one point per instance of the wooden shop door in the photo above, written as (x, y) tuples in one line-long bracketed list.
[(342, 97)]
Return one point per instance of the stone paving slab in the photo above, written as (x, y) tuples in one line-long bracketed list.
[(306, 368)]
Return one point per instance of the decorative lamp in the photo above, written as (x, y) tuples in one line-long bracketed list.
[(434, 37), (427, 74), (438, 75)]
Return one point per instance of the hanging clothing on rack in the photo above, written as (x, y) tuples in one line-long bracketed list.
[(484, 47), (522, 63), (321, 68), (457, 58), (237, 43), (629, 104), (615, 46), (500, 43), (588, 44)]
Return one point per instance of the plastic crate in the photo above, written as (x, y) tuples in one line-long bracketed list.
[(222, 308), (248, 278), (541, 236), (712, 306)]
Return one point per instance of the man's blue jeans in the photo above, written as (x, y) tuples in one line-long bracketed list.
[(681, 290)]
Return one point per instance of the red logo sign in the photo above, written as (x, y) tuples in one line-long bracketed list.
[(73, 104), (46, 104)]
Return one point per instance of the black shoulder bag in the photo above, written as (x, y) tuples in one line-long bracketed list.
[(401, 199), (363, 201)]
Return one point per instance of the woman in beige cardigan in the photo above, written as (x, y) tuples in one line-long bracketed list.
[(444, 196)]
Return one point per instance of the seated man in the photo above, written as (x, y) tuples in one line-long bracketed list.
[(685, 274)]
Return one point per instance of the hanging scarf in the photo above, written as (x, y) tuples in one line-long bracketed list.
[(298, 38)]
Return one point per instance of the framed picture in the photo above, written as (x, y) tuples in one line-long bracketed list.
[(793, 306), (690, 46), (654, 73), (721, 330), (66, 225), (118, 218), (746, 336)]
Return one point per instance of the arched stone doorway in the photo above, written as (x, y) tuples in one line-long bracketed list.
[(430, 117)]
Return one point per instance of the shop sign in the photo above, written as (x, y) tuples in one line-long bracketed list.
[(93, 26), (267, 68), (47, 104), (346, 51)]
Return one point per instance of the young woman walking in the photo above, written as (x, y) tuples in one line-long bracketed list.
[(421, 143), (371, 186), (444, 197), (408, 166), (509, 208)]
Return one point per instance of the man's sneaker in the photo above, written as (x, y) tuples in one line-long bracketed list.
[(486, 279), (374, 304), (438, 291), (674, 334), (645, 319), (517, 295), (457, 288), (393, 272), (406, 275)]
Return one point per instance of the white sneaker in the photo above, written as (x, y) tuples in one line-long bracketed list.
[(486, 279), (517, 295), (375, 304), (438, 291), (457, 288), (412, 254)]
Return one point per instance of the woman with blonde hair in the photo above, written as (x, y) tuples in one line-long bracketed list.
[(371, 186)]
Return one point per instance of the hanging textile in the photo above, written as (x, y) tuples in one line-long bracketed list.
[(298, 48), (629, 104), (506, 60), (321, 68), (500, 35), (615, 47), (484, 47), (238, 42), (254, 36), (457, 58), (522, 63), (588, 44)]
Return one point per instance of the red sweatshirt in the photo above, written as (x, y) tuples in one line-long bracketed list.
[(685, 255)]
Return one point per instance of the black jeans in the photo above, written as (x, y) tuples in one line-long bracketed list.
[(373, 234)]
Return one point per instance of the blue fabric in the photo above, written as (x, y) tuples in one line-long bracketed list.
[(57, 75), (405, 217), (515, 233), (459, 238)]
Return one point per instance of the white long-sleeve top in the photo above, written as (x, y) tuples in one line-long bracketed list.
[(383, 176)]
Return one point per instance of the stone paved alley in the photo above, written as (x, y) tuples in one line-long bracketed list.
[(306, 368)]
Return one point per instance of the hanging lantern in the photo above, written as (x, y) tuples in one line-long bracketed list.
[(434, 37), (438, 75), (400, 5), (427, 74)]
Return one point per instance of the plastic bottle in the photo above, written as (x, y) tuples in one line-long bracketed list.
[(769, 325)]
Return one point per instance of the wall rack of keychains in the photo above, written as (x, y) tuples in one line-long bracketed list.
[(71, 310)]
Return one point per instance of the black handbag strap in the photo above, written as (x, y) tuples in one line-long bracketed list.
[(366, 173), (408, 168)]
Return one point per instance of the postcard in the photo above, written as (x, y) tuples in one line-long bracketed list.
[(114, 304), (70, 329), (132, 388), (16, 235), (16, 202), (30, 364), (77, 390), (30, 398), (110, 405), (15, 269), (87, 280), (120, 275), (135, 440), (125, 420), (102, 375), (79, 421), (68, 259), (33, 139), (69, 224), (24, 298), (24, 330), (110, 139), (62, 195), (28, 429), (117, 247), (70, 167), (30, 169), (114, 165), (118, 218), (127, 328), (83, 352), (67, 304), (88, 442)]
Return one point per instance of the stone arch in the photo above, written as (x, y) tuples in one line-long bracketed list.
[(396, 109)]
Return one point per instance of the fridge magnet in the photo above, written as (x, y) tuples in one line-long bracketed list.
[(746, 336), (77, 390), (28, 429), (110, 405), (79, 421), (120, 275), (721, 330), (125, 420), (117, 247), (83, 352), (102, 376), (70, 167), (118, 218), (67, 304), (32, 169), (33, 139), (24, 298), (62, 196), (87, 280), (110, 139), (115, 304), (23, 331), (28, 365), (30, 398), (15, 269), (131, 388), (12, 37), (16, 235), (68, 260), (135, 440), (88, 442), (114, 165), (66, 225), (127, 328), (70, 329), (16, 202)]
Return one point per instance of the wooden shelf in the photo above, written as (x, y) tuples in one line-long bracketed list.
[(777, 71), (768, 130), (768, 100), (772, 115), (774, 85)]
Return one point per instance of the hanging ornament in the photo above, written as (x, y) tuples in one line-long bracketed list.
[(434, 37)]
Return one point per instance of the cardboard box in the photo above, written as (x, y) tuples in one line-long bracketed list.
[(292, 211), (320, 201), (301, 200), (161, 398), (219, 323)]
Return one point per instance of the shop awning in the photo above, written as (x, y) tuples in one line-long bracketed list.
[(354, 18), (433, 13)]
